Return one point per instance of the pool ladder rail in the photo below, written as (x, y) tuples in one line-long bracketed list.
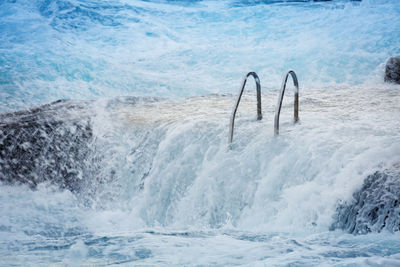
[(235, 107), (278, 106)]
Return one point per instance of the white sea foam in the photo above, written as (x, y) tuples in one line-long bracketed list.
[(74, 49), (180, 191), (177, 195)]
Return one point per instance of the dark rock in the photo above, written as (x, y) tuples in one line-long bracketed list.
[(376, 205), (49, 143), (392, 72)]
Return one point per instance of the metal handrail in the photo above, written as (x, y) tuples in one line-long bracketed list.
[(281, 94), (235, 107)]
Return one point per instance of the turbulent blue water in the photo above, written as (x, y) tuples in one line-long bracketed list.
[(89, 49), (144, 138)]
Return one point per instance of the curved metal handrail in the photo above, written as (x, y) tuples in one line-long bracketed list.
[(281, 94), (235, 107)]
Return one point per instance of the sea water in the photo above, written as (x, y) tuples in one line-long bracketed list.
[(163, 77)]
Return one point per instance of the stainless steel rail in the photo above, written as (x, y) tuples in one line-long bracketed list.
[(235, 107), (281, 94)]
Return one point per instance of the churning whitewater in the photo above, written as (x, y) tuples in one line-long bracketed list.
[(114, 131)]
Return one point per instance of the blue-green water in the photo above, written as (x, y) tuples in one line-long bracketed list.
[(89, 49), (175, 195)]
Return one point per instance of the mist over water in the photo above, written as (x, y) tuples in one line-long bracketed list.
[(135, 169)]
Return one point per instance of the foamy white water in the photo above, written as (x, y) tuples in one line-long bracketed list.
[(87, 49), (160, 186)]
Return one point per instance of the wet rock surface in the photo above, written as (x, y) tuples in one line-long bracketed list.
[(49, 143), (392, 71), (376, 206)]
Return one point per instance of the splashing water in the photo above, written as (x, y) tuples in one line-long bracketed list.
[(135, 169), (86, 49)]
